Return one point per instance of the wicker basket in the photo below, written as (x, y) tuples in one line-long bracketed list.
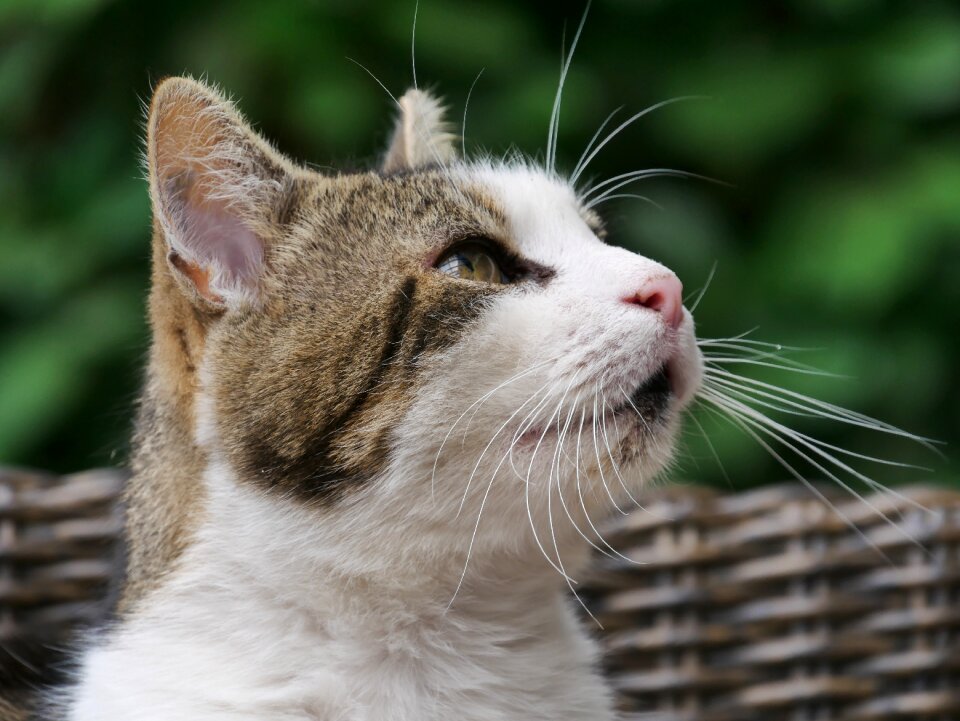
[(769, 605), (764, 605), (57, 542)]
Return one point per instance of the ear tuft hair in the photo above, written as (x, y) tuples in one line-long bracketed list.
[(421, 136)]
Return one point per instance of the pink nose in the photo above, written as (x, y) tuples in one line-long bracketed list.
[(663, 295)]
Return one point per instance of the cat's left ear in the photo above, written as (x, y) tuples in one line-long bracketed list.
[(422, 136), (217, 189)]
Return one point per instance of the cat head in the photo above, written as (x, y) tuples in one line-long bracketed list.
[(446, 346)]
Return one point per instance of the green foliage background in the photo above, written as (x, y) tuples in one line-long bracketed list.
[(837, 122)]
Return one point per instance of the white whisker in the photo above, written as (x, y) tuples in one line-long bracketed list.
[(644, 198), (555, 467), (413, 43), (759, 425), (703, 290), (780, 431), (466, 106), (785, 364), (722, 387), (546, 428), (583, 504), (483, 503), (578, 167), (417, 126), (596, 448), (553, 534), (650, 434), (713, 450), (623, 126), (476, 404), (829, 410), (613, 463), (729, 387), (740, 340), (563, 502), (491, 442), (737, 421), (551, 159), (742, 350), (473, 538), (523, 428), (625, 179)]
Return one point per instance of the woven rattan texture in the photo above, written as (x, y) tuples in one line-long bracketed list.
[(57, 539), (758, 606), (768, 605)]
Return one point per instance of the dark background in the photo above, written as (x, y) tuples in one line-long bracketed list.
[(836, 122)]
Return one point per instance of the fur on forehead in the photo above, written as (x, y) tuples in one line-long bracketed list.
[(219, 190)]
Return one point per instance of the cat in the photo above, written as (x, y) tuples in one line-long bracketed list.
[(383, 414)]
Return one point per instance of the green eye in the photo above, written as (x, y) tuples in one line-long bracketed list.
[(472, 262)]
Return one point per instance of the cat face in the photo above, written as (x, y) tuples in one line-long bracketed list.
[(434, 344)]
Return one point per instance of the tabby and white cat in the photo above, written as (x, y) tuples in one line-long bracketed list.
[(384, 413)]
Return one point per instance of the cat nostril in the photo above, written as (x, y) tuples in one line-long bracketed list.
[(656, 301), (663, 295)]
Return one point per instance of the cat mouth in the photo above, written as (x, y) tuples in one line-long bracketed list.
[(651, 398), (647, 404)]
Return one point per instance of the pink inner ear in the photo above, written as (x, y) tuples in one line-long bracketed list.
[(216, 237)]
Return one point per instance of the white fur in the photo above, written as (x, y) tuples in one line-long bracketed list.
[(433, 592), (270, 619)]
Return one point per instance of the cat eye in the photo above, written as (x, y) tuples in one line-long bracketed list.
[(472, 262)]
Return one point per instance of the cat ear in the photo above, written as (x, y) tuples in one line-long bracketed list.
[(215, 186), (421, 136)]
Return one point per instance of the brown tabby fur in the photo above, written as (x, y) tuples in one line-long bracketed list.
[(309, 383), (313, 370), (14, 709)]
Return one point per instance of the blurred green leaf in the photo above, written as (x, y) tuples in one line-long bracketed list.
[(914, 65), (836, 121), (44, 366), (51, 11), (756, 106)]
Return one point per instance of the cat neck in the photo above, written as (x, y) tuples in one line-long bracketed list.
[(342, 608), (257, 597), (312, 557)]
